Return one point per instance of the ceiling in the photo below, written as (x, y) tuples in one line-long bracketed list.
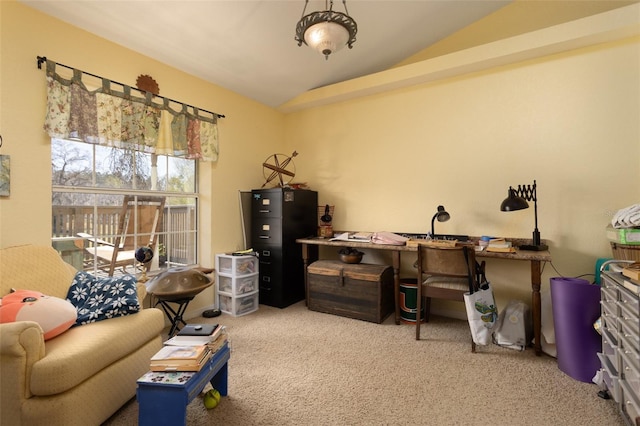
[(248, 46)]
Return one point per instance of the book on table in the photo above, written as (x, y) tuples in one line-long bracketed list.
[(171, 378), (190, 336), (500, 245), (632, 271), (197, 330), (180, 358)]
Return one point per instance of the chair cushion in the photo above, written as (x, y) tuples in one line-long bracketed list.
[(82, 352), (97, 299), (452, 283)]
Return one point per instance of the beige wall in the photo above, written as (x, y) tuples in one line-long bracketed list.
[(569, 120)]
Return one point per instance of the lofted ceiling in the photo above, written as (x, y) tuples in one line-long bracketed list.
[(248, 46)]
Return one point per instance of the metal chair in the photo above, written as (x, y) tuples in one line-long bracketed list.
[(445, 273)]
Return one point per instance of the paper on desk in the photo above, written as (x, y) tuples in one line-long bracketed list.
[(361, 237)]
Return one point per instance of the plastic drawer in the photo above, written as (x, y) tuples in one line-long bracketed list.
[(238, 305), (609, 294), (630, 335), (610, 377), (630, 351), (630, 301), (630, 373), (238, 285), (236, 265), (608, 283), (629, 315), (630, 403), (610, 328), (610, 310)]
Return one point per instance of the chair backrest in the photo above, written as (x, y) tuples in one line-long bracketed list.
[(447, 262), (141, 216)]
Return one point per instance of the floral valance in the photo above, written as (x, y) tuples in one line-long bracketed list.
[(110, 117)]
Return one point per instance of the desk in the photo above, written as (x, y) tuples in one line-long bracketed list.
[(535, 257)]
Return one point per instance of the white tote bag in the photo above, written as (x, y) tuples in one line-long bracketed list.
[(482, 314), (514, 329)]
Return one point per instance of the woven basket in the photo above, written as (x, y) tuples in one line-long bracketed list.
[(625, 252)]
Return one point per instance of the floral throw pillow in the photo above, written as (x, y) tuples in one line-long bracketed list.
[(97, 299)]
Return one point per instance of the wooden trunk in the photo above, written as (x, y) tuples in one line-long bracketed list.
[(360, 291)]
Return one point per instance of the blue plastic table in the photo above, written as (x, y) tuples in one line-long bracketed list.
[(166, 404)]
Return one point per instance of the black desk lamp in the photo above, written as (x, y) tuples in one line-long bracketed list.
[(517, 200), (442, 216)]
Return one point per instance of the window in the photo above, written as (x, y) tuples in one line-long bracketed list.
[(89, 185)]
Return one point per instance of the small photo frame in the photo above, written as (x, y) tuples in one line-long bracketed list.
[(5, 175)]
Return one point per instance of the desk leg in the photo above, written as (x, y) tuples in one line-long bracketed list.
[(536, 280), (305, 262), (396, 283)]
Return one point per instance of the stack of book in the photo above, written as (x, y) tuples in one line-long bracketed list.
[(180, 358), (632, 277), (500, 245), (190, 349)]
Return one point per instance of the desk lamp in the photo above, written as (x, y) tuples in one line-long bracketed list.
[(517, 200), (442, 216)]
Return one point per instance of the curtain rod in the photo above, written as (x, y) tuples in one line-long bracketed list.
[(42, 59)]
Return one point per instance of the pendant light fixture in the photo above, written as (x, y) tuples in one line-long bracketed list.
[(326, 31)]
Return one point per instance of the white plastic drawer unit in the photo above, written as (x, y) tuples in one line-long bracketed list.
[(620, 357)]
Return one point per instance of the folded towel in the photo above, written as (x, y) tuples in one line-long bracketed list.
[(628, 217)]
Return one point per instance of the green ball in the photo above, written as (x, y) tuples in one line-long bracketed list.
[(211, 399)]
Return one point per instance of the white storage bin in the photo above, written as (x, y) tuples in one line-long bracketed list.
[(238, 305), (238, 285), (236, 265)]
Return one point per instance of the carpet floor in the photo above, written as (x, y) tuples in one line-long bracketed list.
[(293, 366)]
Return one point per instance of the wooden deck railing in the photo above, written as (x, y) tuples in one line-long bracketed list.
[(176, 234)]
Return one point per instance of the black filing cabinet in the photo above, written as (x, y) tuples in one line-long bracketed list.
[(278, 217)]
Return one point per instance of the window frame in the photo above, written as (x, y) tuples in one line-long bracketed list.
[(189, 234)]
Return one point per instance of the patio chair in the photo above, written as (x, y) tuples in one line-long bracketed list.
[(138, 225)]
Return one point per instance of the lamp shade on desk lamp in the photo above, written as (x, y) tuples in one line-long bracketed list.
[(442, 216)]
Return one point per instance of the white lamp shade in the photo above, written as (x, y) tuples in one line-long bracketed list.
[(326, 37)]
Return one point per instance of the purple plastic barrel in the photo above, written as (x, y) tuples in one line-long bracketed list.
[(576, 306)]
